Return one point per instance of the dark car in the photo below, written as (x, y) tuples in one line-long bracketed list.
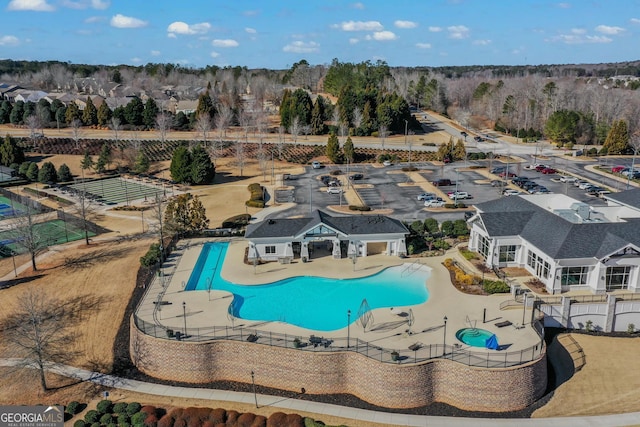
[(498, 183), (463, 133), (478, 138), (498, 169), (356, 176), (443, 182)]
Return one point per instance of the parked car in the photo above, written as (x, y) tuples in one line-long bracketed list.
[(334, 190), (443, 182), (519, 179), (541, 167), (510, 192), (630, 172), (507, 174), (585, 185), (618, 169), (425, 196), (580, 182), (356, 177), (458, 195), (387, 163), (464, 134), (434, 203), (316, 165), (498, 183), (478, 138), (498, 169), (567, 178), (549, 171)]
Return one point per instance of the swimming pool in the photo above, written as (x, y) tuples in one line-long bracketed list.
[(474, 337), (311, 302)]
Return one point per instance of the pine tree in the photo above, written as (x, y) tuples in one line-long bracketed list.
[(150, 113), (181, 165), (348, 149), (202, 169), (459, 151), (87, 162), (104, 114), (90, 113), (72, 113), (47, 173), (317, 118), (10, 152), (285, 109), (205, 105), (617, 139), (142, 163), (333, 149), (64, 173)]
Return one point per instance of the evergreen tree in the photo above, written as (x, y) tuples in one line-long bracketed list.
[(32, 171), (5, 112), (104, 114), (87, 162), (333, 149), (285, 109), (104, 159), (72, 113), (181, 165), (29, 109), (64, 173), (617, 139), (47, 173), (317, 117), (367, 124), (205, 105), (185, 214), (151, 111), (90, 113), (348, 150), (15, 117), (10, 152), (116, 77), (142, 163), (202, 169), (133, 111), (119, 113), (61, 115), (459, 151)]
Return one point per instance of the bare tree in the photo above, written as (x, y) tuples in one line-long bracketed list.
[(357, 118), (222, 122), (280, 144), (240, 155), (26, 233), (76, 132), (86, 209), (245, 120), (294, 129), (163, 126), (203, 126), (306, 131), (37, 331), (383, 132), (33, 123), (115, 127)]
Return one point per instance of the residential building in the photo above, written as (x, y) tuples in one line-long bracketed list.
[(568, 245)]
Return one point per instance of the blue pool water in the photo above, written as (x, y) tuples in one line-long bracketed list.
[(474, 337), (310, 302)]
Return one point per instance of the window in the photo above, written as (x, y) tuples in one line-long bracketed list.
[(574, 276), (507, 253), (540, 266), (618, 277), (531, 259), (270, 249), (483, 246)]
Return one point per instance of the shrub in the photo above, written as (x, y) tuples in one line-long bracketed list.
[(123, 418), (152, 256), (409, 169), (133, 407), (138, 418), (588, 326), (335, 172), (359, 208), (277, 419), (72, 407), (254, 203), (495, 287), (237, 221), (170, 334), (79, 423), (91, 416), (120, 407), (105, 406), (467, 254), (106, 419), (631, 328), (448, 263), (96, 424)]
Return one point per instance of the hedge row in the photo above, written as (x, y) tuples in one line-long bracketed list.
[(256, 200)]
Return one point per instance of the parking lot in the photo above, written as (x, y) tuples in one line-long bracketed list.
[(391, 188)]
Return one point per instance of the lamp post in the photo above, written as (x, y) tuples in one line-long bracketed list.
[(348, 328), (444, 340), (184, 315), (253, 382), (524, 309)]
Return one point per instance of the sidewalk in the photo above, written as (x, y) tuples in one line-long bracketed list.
[(293, 405)]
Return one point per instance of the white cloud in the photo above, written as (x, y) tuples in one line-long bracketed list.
[(435, 29), (384, 36), (605, 29), (564, 5), (250, 30), (214, 54), (481, 42), (121, 21), (9, 41), (179, 27), (155, 53), (358, 5), (225, 43), (84, 4), (94, 19), (34, 5), (423, 45), (353, 40), (405, 24), (299, 46), (136, 60), (172, 36), (579, 39), (578, 30), (634, 20), (359, 26), (458, 32), (251, 12), (98, 4)]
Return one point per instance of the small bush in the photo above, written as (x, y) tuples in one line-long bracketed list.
[(496, 287), (237, 221), (468, 254), (123, 418), (152, 256), (170, 334), (448, 263), (631, 328), (254, 203), (105, 407), (359, 208), (138, 418), (91, 416), (72, 408), (133, 408), (106, 419), (335, 172), (120, 407), (79, 423), (96, 424), (409, 169)]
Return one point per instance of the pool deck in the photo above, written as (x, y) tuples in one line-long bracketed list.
[(204, 309)]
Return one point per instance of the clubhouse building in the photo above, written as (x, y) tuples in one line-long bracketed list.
[(566, 244), (322, 234)]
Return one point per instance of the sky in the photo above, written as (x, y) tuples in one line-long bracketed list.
[(275, 34)]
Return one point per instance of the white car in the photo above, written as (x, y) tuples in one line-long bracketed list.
[(387, 163), (566, 178), (425, 196), (334, 190), (585, 185), (316, 165), (458, 195), (510, 192), (434, 203)]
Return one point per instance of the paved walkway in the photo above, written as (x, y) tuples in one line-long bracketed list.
[(294, 405)]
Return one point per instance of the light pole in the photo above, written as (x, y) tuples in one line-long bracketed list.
[(444, 340), (406, 125), (184, 315), (253, 382), (348, 328), (524, 309)]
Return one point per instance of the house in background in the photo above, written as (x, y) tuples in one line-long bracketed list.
[(339, 236), (568, 245)]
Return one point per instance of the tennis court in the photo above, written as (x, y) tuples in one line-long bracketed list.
[(112, 191), (9, 209), (52, 233)]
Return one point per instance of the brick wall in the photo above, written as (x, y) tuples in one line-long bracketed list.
[(383, 384)]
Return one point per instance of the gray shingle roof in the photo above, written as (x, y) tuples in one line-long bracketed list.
[(350, 225), (629, 198), (552, 234)]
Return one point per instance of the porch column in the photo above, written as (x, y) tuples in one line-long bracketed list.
[(611, 313), (304, 250), (336, 249)]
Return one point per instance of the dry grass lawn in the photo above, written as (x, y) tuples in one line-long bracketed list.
[(106, 271)]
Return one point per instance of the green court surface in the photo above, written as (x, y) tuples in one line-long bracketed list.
[(117, 190), (9, 209), (50, 233)]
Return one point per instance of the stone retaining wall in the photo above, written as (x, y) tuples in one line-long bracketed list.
[(383, 384)]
